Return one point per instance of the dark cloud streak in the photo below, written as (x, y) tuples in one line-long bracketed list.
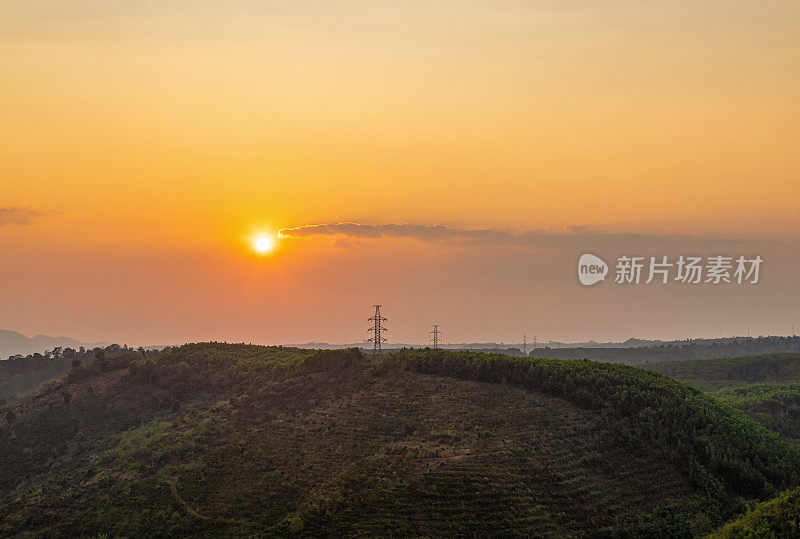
[(574, 236), (13, 215)]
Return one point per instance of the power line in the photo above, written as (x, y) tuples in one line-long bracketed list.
[(408, 329), (377, 332), (407, 332), (436, 334), (352, 333)]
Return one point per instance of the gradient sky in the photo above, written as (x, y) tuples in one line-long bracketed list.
[(144, 143)]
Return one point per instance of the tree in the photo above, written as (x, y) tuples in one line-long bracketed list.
[(100, 359)]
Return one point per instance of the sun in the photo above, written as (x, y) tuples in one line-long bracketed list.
[(262, 244)]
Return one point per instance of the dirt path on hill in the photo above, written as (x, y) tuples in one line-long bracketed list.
[(173, 486)]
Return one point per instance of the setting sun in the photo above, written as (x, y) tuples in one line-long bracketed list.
[(262, 244)]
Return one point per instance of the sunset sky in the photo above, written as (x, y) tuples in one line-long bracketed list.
[(145, 144)]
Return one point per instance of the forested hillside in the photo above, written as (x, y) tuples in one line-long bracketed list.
[(776, 406), (677, 351), (779, 517), (22, 374), (711, 375), (246, 440)]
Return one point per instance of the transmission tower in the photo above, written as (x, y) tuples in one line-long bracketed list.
[(436, 334), (377, 332), (524, 344)]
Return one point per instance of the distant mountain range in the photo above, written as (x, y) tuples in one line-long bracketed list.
[(530, 345), (630, 343), (13, 342)]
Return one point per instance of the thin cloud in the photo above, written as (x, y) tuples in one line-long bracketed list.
[(343, 243), (14, 215), (395, 230), (573, 236)]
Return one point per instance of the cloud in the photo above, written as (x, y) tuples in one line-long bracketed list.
[(13, 215), (343, 243), (579, 237), (420, 232)]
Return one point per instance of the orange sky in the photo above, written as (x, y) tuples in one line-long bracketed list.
[(142, 144)]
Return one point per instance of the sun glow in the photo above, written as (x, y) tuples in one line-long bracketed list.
[(262, 244)]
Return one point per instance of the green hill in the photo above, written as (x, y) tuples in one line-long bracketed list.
[(776, 406), (22, 374), (245, 440), (698, 349), (779, 517), (714, 374), (18, 376), (766, 387)]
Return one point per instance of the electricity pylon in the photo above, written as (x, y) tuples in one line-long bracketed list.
[(436, 334), (377, 332)]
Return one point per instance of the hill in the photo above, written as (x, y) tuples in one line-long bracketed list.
[(779, 517), (20, 375), (776, 406), (14, 343), (711, 375), (246, 440)]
